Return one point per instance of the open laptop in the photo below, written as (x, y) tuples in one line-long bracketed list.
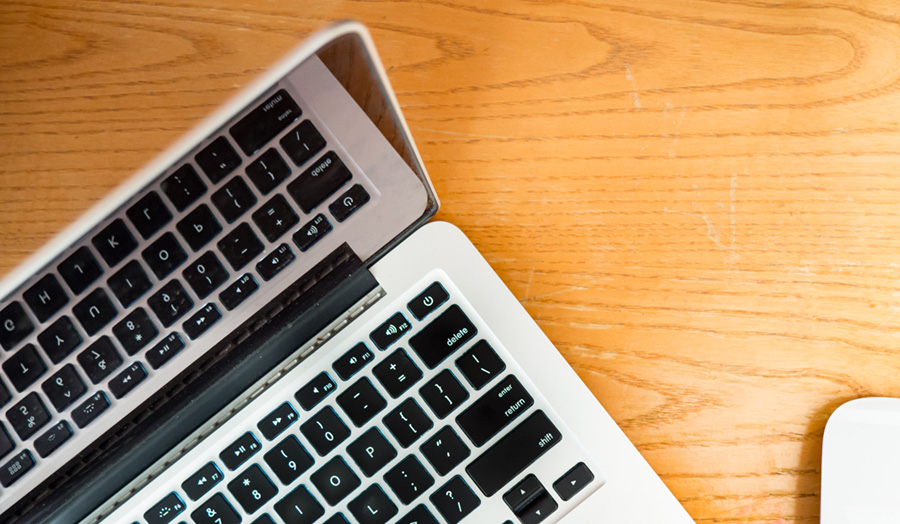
[(261, 327)]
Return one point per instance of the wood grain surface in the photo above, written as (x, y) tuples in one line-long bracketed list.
[(697, 201)]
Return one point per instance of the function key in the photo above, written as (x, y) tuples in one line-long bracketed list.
[(349, 202), (275, 262), (216, 510), (6, 443), (319, 181), (389, 332), (568, 485), (268, 171), (205, 274), (15, 468), (28, 416), (371, 451), (252, 489), (397, 373), (335, 480), (325, 431), (199, 227), (233, 199), (302, 142), (372, 506), (288, 460), (170, 303), (64, 387), (240, 246), (24, 367), (277, 421), (99, 359), (90, 409), (199, 484), (52, 439), (352, 361), (218, 159), (275, 218), (14, 325), (238, 291), (314, 391), (135, 331), (428, 300), (124, 382), (299, 507), (495, 410), (361, 402), (164, 255), (408, 479), (201, 321), (115, 242), (94, 311), (164, 350), (311, 232), (129, 283), (443, 336), (183, 187), (454, 500), (264, 122), (445, 450), (165, 510), (149, 214), (407, 422), (80, 270), (480, 364), (239, 451), (46, 297)]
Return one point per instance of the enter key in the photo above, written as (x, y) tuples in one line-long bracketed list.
[(493, 411)]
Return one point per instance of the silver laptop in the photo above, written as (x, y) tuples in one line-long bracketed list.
[(261, 327)]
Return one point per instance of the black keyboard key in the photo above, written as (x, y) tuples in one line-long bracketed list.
[(115, 242), (14, 325), (455, 500), (390, 331), (338, 518), (443, 336), (64, 387), (275, 262), (428, 300), (80, 270), (494, 410), (164, 255), (183, 187), (135, 331), (302, 142), (335, 480), (90, 409), (371, 452), (252, 489), (574, 480), (503, 461), (124, 382), (419, 515), (95, 311), (325, 431), (164, 350), (319, 181), (240, 246), (52, 439), (311, 232), (408, 479), (349, 202), (480, 364), (216, 510), (277, 421), (6, 442), (201, 321), (28, 416), (199, 227), (45, 297), (24, 367), (275, 218), (445, 450), (361, 402), (288, 460), (267, 171), (264, 519), (165, 510), (170, 303), (372, 506), (352, 361), (205, 274), (238, 291), (129, 283), (16, 468), (218, 159), (233, 199), (262, 124), (199, 484), (537, 510), (99, 359), (407, 422), (443, 393), (397, 373), (314, 391), (4, 394), (523, 493), (149, 214), (239, 451), (299, 507)]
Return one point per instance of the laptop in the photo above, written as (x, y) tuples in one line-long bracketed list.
[(262, 326)]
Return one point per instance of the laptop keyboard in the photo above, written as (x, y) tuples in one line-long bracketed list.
[(186, 252), (425, 419)]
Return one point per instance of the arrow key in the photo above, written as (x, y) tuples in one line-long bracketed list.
[(538, 510), (573, 481), (199, 484)]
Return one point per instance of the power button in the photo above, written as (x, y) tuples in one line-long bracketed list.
[(428, 300)]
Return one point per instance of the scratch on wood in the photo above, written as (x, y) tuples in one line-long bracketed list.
[(634, 94)]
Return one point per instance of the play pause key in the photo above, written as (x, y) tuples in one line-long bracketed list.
[(239, 451)]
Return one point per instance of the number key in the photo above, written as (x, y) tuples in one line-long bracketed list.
[(170, 303), (325, 431), (135, 331), (64, 387), (28, 416), (205, 274), (252, 489), (99, 359), (288, 460), (216, 510)]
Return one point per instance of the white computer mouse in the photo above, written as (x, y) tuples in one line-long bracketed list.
[(861, 463)]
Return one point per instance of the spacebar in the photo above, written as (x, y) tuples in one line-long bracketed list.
[(513, 453)]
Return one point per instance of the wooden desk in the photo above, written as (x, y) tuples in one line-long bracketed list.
[(697, 201)]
